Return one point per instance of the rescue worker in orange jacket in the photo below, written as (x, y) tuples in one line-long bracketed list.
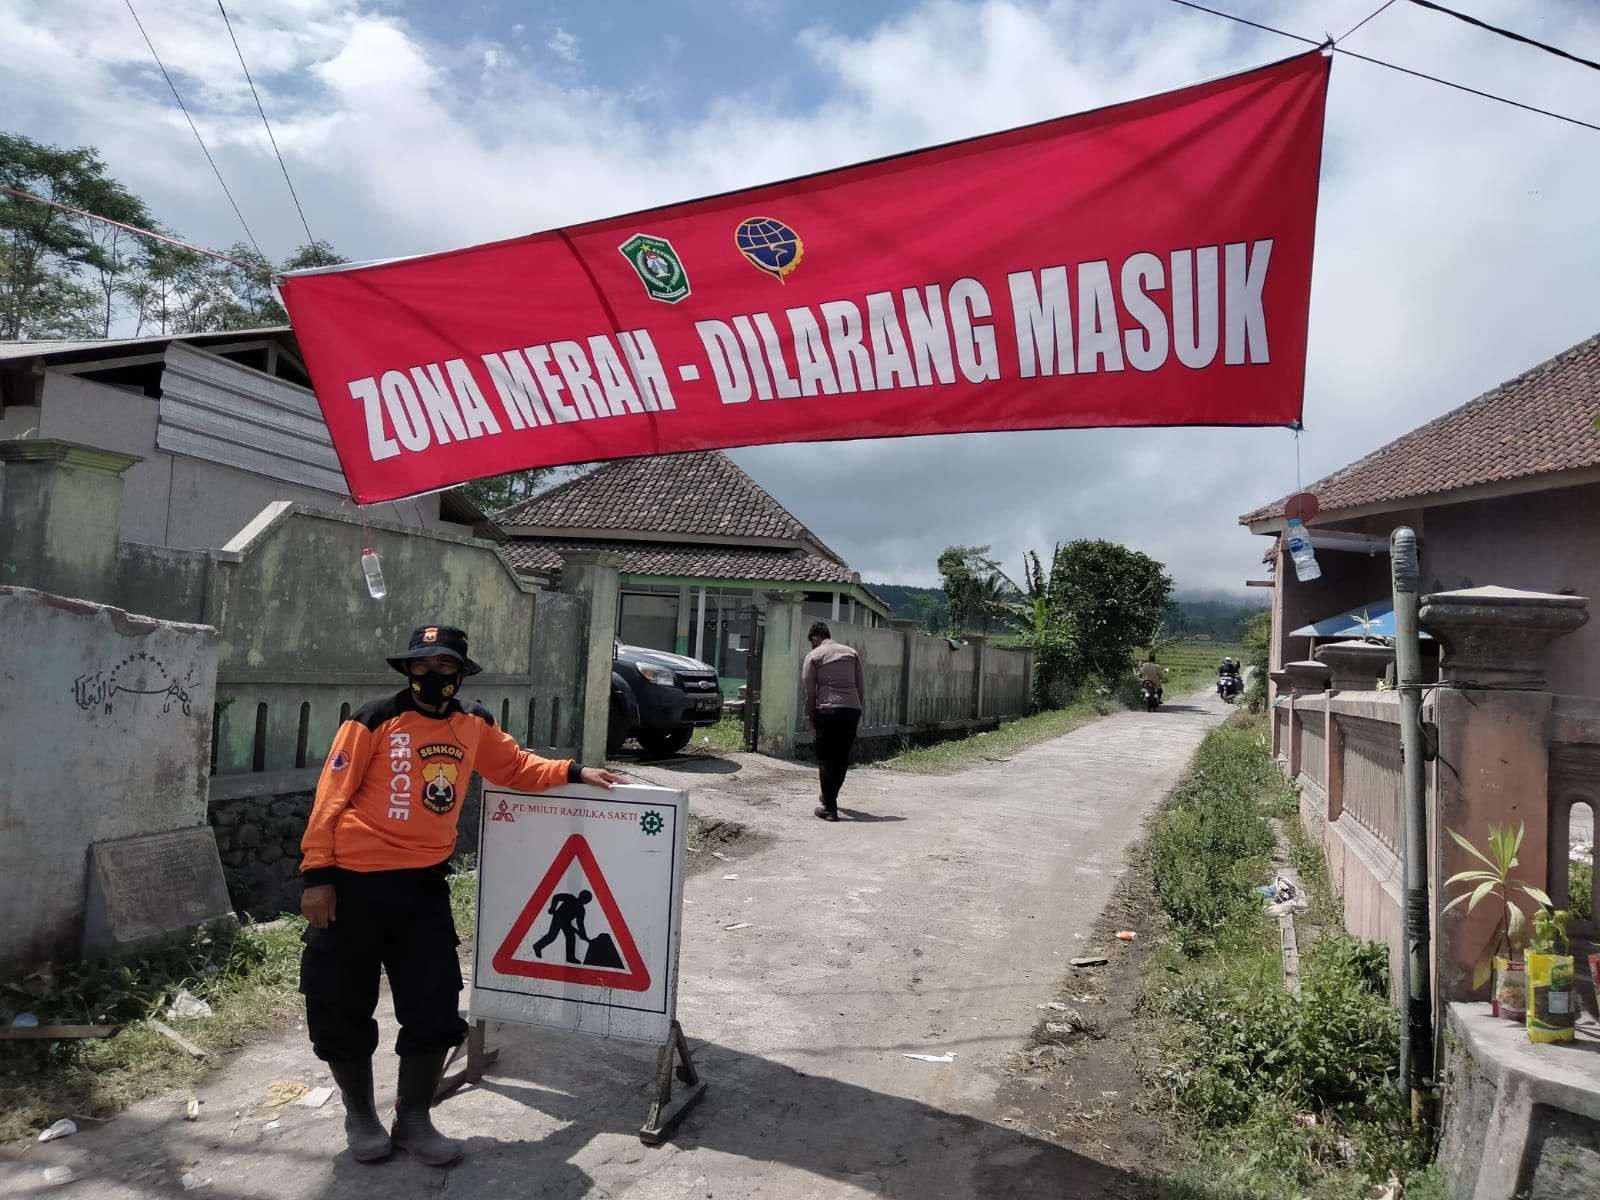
[(380, 834)]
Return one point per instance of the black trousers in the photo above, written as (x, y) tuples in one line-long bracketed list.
[(836, 734), (394, 921)]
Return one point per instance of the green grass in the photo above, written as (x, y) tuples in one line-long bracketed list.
[(948, 757), (1240, 1060), (1193, 665), (725, 737), (248, 975)]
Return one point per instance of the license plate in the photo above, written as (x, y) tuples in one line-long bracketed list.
[(710, 704)]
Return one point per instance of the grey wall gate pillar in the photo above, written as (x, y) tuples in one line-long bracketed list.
[(61, 505), (597, 578)]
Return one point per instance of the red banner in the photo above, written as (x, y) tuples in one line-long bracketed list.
[(1144, 264)]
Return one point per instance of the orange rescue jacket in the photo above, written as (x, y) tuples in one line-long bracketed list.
[(390, 793)]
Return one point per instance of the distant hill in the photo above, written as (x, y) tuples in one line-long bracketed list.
[(1194, 616)]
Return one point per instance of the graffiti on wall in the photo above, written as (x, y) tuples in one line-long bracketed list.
[(140, 674)]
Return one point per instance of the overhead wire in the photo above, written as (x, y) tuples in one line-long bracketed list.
[(194, 129), (134, 229), (281, 164), (1508, 33), (1377, 12), (1333, 47)]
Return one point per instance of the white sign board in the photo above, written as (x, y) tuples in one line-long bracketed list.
[(580, 904)]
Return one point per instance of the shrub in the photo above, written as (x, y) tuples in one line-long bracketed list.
[(1208, 847), (1330, 1050)]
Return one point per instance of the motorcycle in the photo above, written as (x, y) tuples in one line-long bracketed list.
[(1152, 695), (1229, 687)]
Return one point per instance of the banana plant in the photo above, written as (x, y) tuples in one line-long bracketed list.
[(1494, 879)]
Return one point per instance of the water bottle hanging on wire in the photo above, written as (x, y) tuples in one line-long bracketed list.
[(1299, 543), (372, 568)]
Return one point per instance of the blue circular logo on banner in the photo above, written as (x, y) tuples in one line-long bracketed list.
[(769, 245)]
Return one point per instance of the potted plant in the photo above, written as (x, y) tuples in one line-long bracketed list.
[(1509, 998), (1552, 983)]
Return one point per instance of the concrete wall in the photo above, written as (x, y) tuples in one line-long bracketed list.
[(173, 500), (106, 737), (302, 637), (162, 582), (916, 685), (1540, 542)]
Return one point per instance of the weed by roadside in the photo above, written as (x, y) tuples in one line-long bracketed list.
[(1277, 1095), (725, 737), (463, 881), (948, 757), (248, 975)]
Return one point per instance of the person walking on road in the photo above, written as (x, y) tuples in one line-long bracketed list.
[(381, 831), (835, 695)]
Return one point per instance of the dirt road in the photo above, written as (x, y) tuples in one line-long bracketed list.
[(935, 921)]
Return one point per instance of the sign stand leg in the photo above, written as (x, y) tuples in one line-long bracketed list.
[(479, 1060), (665, 1111)]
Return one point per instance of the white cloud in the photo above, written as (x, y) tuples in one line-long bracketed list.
[(1455, 239), (563, 45)]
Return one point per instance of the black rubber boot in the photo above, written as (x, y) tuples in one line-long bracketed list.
[(365, 1134), (413, 1128)]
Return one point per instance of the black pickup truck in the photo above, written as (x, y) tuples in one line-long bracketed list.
[(660, 699)]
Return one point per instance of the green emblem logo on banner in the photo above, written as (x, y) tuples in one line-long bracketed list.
[(658, 266)]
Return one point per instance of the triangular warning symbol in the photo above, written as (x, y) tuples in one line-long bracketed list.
[(632, 977)]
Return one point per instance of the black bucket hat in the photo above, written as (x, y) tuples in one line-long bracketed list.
[(429, 640)]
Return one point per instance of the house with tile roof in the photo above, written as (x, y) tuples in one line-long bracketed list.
[(700, 544), (1504, 490)]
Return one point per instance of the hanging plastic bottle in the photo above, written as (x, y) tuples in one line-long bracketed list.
[(373, 570), (1299, 543)]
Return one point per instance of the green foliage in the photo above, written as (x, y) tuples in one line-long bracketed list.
[(1549, 931), (1198, 619), (1209, 848), (63, 275), (1494, 879), (248, 975), (1258, 654), (52, 261), (1280, 1095), (979, 595), (928, 607), (1580, 890), (1113, 596), (463, 883), (499, 492)]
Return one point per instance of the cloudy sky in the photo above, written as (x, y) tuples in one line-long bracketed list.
[(1457, 243)]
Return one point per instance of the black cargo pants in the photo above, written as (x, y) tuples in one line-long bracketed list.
[(836, 735), (394, 921)]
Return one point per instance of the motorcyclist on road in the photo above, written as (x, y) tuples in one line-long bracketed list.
[(1150, 672)]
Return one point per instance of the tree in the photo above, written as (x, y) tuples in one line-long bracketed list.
[(64, 275), (502, 491), (1258, 654), (979, 593), (1113, 598), (48, 257), (1058, 665)]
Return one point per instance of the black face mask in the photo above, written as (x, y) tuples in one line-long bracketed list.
[(434, 688)]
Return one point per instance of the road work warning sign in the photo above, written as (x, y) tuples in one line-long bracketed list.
[(580, 896)]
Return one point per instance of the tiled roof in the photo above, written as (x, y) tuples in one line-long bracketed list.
[(672, 560), (693, 495), (1542, 421)]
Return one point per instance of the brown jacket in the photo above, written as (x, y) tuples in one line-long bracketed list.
[(833, 678)]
